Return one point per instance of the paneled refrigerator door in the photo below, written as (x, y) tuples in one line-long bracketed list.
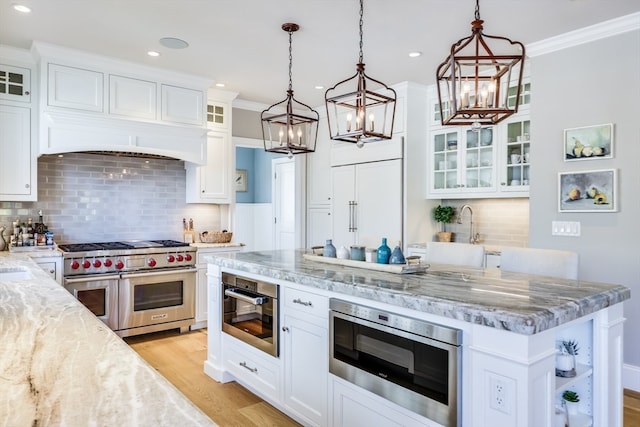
[(343, 191), (379, 197)]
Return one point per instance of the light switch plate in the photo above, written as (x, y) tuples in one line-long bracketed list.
[(565, 228)]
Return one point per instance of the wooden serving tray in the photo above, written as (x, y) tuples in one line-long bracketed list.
[(387, 268)]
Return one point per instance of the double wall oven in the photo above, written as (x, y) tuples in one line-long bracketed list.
[(134, 287)]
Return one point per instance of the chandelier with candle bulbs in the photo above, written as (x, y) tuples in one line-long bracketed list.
[(289, 126), (473, 82), (360, 109)]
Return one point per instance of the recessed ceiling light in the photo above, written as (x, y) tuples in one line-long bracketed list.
[(153, 53), (319, 87), (173, 43), (21, 8), (219, 84), (414, 54)]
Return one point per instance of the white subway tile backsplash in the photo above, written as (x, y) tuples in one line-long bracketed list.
[(500, 222), (90, 198)]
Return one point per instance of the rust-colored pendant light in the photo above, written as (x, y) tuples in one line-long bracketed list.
[(289, 126), (360, 114), (474, 80)]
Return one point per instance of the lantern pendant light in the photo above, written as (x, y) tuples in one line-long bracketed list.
[(360, 115), (474, 81), (289, 126)]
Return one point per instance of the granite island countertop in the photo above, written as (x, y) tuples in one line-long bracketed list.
[(60, 365), (520, 303)]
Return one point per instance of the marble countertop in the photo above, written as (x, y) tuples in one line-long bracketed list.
[(60, 365), (217, 245), (520, 303)]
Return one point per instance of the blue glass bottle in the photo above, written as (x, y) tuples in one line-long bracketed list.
[(397, 257), (329, 250), (384, 252)]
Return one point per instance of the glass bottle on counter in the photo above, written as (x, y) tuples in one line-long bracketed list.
[(329, 250), (397, 257), (384, 252)]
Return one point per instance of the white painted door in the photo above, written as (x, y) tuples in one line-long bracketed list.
[(284, 197)]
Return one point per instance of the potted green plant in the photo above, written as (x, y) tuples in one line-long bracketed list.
[(571, 399), (443, 215)]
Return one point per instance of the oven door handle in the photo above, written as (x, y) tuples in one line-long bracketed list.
[(258, 300), (91, 278), (158, 273)]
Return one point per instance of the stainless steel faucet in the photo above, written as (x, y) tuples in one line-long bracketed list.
[(473, 238)]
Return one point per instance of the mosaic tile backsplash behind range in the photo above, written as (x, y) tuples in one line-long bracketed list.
[(95, 198)]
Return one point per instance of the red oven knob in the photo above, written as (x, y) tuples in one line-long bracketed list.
[(171, 258), (119, 265), (107, 262), (75, 265), (180, 258), (86, 263), (188, 257), (97, 263), (151, 262)]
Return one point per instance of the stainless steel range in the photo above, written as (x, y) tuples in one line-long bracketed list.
[(135, 287)]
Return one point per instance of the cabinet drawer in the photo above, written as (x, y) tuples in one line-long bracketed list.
[(257, 371), (307, 302)]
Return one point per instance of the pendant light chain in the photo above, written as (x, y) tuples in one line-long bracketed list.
[(477, 14), (361, 23), (290, 60)]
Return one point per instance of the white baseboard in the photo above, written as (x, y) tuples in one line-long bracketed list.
[(631, 377)]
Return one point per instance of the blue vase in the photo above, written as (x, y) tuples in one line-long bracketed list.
[(396, 256), (384, 252), (329, 250)]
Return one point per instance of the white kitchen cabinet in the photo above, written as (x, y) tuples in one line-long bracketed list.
[(15, 83), (182, 105), (253, 368), (319, 169), (52, 265), (132, 98), (218, 115), (367, 203), (75, 88), (515, 157), (467, 164), (17, 157), (318, 226), (211, 183), (353, 406), (202, 283), (462, 161), (304, 340)]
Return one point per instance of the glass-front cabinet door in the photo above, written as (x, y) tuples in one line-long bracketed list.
[(516, 157), (480, 160), (445, 161), (463, 161)]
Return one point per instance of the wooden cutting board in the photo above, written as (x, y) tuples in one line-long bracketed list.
[(387, 268)]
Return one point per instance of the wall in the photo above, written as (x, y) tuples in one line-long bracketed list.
[(590, 84), (499, 222), (94, 198)]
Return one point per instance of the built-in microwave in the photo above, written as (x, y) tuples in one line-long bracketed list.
[(411, 362)]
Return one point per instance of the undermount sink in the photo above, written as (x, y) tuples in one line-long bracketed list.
[(13, 274)]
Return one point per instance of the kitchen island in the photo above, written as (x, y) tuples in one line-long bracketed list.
[(510, 325), (61, 366)]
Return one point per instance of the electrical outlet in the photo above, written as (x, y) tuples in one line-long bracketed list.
[(500, 393)]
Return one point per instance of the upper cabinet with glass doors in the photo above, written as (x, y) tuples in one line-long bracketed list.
[(492, 162), (15, 83)]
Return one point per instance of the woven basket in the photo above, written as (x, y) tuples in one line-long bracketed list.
[(215, 237)]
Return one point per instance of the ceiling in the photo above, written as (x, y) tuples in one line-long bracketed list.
[(240, 42)]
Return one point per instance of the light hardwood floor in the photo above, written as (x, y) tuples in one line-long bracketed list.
[(180, 357)]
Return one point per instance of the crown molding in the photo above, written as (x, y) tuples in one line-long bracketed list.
[(613, 27), (245, 104)]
